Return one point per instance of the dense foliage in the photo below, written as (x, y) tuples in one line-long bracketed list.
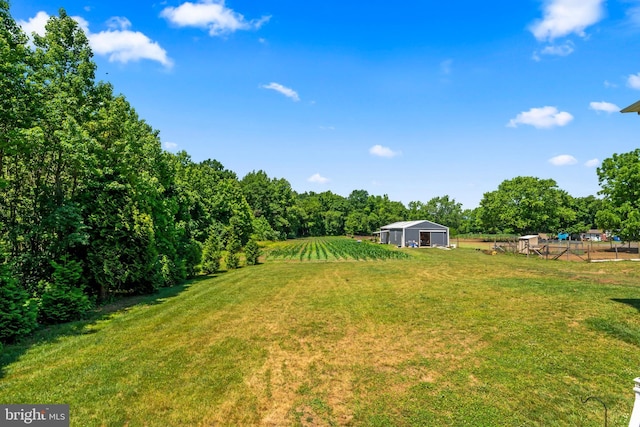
[(619, 177), (91, 207)]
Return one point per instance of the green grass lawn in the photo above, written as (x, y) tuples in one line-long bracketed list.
[(440, 338)]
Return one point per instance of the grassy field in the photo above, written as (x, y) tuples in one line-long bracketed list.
[(439, 338)]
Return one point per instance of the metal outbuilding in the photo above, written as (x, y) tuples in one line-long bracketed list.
[(420, 233)]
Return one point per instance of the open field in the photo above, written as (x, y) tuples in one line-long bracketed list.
[(439, 338)]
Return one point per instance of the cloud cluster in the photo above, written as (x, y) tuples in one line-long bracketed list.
[(563, 18), (318, 179), (211, 15), (286, 91), (119, 43), (542, 118), (380, 151)]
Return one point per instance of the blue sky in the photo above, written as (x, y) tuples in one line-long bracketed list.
[(415, 99)]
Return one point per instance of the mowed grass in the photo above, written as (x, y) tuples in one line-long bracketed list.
[(441, 338)]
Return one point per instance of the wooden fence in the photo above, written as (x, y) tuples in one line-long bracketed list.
[(571, 250)]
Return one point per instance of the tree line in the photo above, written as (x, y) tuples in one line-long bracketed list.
[(92, 207)]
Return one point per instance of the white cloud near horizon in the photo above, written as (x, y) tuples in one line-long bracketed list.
[(606, 107), (288, 92), (563, 160), (118, 43), (380, 151), (633, 81), (592, 163), (541, 118), (318, 179), (564, 17), (211, 15)]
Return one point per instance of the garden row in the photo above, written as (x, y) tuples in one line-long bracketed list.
[(332, 248)]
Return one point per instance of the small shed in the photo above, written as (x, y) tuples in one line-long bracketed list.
[(526, 244), (594, 236), (421, 233)]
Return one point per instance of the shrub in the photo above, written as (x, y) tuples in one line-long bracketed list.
[(211, 254), (232, 259), (252, 252), (64, 300), (61, 304), (17, 311)]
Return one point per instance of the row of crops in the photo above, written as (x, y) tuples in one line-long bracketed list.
[(332, 249)]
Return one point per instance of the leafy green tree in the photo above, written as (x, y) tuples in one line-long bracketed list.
[(252, 252), (526, 205), (357, 223), (232, 260), (441, 210), (619, 178), (211, 253), (270, 199)]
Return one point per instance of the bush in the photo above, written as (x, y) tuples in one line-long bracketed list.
[(232, 259), (252, 252), (64, 300), (17, 311), (211, 254), (61, 304)]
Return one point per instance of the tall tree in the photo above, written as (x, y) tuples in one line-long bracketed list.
[(619, 177), (526, 205)]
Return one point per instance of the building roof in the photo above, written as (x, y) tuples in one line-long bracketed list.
[(633, 108), (409, 224), (529, 237)]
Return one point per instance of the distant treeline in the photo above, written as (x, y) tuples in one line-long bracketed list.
[(91, 206)]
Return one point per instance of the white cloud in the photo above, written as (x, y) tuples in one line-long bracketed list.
[(563, 17), (35, 24), (288, 92), (608, 84), (633, 81), (118, 23), (380, 151), (563, 160), (125, 45), (318, 179), (606, 107), (211, 15), (592, 163), (542, 118), (564, 49), (118, 43), (169, 145)]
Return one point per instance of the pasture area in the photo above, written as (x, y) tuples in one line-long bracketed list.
[(437, 338)]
